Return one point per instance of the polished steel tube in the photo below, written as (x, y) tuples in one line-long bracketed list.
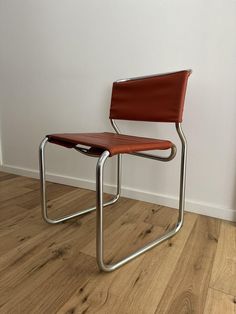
[(119, 160), (159, 158), (99, 200), (100, 246), (118, 174), (99, 213), (100, 237), (42, 176), (44, 194), (147, 76), (114, 125), (145, 155), (182, 173)]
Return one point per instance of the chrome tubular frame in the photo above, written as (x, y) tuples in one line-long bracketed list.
[(99, 198), (147, 76), (150, 156), (44, 195), (150, 245)]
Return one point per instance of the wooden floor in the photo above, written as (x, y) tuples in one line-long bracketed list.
[(52, 269)]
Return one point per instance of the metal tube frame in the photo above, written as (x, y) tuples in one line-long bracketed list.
[(99, 198), (147, 76), (44, 195), (99, 191), (150, 156)]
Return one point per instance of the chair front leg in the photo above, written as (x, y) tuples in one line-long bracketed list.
[(152, 244), (44, 194)]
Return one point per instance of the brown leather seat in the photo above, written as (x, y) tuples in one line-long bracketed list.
[(114, 143)]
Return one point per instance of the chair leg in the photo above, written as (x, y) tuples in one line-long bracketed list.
[(100, 205), (182, 183), (150, 245), (44, 195)]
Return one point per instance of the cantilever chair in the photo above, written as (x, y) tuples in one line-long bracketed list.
[(156, 98)]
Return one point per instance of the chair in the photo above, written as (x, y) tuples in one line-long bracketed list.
[(156, 98)]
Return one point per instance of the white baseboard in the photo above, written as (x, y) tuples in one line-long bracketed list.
[(194, 206)]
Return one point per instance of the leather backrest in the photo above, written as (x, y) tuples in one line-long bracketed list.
[(157, 98)]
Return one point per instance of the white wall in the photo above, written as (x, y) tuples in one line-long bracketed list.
[(58, 61)]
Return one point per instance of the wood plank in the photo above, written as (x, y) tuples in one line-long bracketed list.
[(48, 295), (14, 187), (127, 226), (17, 181), (224, 269), (8, 192), (38, 263), (128, 233), (187, 289), (32, 262), (219, 303), (32, 198), (3, 174), (137, 287), (6, 176), (29, 223), (97, 294), (152, 214), (52, 269)]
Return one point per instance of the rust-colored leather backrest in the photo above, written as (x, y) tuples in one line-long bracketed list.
[(157, 98)]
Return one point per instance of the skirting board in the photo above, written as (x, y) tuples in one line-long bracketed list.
[(166, 200)]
